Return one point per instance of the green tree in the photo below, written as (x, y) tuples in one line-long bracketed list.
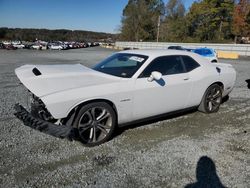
[(210, 20), (241, 19), (173, 28), (175, 9), (139, 20), (51, 35)]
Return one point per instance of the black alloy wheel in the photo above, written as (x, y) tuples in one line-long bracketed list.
[(95, 123), (212, 99)]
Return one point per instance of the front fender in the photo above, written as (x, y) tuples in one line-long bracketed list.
[(62, 103)]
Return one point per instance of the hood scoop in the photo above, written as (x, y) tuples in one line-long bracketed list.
[(36, 72)]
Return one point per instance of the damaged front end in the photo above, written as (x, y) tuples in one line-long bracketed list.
[(40, 119)]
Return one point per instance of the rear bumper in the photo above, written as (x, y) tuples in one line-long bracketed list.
[(59, 131)]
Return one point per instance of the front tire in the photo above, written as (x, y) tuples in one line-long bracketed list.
[(211, 100), (95, 123)]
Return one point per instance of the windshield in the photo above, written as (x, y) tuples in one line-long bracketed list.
[(121, 64)]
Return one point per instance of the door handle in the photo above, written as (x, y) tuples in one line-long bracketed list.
[(186, 79)]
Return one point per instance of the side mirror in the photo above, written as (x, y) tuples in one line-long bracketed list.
[(155, 75)]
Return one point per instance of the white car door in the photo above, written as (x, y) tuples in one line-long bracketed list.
[(165, 95)]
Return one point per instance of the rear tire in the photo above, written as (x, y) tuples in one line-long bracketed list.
[(211, 100), (95, 123)]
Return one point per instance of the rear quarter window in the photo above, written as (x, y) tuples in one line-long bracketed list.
[(189, 63)]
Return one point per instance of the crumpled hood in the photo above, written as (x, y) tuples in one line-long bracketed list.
[(43, 80)]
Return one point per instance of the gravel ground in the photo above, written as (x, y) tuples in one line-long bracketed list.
[(188, 150)]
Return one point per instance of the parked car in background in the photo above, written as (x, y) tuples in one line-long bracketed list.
[(208, 53), (56, 47), (176, 48), (44, 45), (28, 46), (10, 47), (189, 49), (2, 45), (18, 44), (36, 46), (86, 104), (85, 45)]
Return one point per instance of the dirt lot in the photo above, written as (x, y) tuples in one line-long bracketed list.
[(192, 149)]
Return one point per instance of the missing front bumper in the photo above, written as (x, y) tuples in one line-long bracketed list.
[(59, 131)]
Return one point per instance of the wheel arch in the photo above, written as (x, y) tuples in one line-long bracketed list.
[(218, 83), (75, 109), (98, 100), (201, 105)]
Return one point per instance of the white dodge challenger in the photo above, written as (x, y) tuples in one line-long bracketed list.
[(87, 104)]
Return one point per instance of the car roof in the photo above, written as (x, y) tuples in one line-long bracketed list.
[(154, 53), (157, 52)]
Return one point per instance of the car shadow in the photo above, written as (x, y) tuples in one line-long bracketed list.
[(206, 175), (119, 130), (225, 99), (248, 83)]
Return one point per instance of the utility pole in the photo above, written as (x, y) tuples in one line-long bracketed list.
[(158, 28), (220, 29)]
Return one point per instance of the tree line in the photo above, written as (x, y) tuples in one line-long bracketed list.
[(52, 35), (205, 21)]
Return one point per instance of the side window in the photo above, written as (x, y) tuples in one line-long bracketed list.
[(190, 63), (166, 65)]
